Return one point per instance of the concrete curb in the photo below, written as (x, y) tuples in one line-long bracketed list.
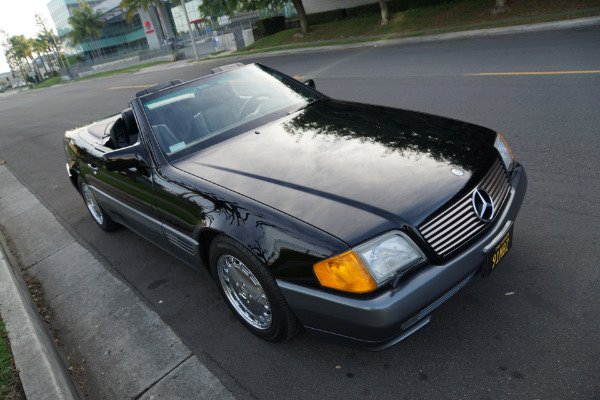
[(129, 351), (41, 369)]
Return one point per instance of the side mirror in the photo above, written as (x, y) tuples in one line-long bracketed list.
[(310, 83), (125, 158)]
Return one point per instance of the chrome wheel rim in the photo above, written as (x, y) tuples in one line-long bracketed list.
[(91, 204), (244, 292)]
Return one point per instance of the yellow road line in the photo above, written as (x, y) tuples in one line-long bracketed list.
[(298, 77), (535, 73), (131, 87)]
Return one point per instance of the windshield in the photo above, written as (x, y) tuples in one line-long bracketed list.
[(191, 116)]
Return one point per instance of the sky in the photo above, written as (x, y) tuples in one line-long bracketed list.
[(18, 18)]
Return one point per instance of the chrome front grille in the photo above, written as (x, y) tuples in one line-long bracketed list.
[(459, 223)]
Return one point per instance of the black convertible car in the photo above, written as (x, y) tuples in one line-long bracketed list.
[(355, 221)]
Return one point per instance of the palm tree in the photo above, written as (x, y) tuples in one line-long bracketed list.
[(14, 61), (40, 47), (133, 5), (52, 61), (45, 33), (22, 49), (85, 23)]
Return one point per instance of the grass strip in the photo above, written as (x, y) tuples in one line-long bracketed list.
[(10, 384), (55, 80), (462, 15), (48, 82), (133, 68)]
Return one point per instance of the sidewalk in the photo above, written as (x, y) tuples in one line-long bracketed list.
[(129, 351)]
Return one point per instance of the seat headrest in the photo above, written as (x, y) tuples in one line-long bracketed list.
[(129, 122)]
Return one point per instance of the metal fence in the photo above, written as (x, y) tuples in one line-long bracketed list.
[(235, 34), (113, 62)]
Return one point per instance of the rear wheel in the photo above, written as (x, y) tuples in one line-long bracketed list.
[(101, 218), (250, 291)]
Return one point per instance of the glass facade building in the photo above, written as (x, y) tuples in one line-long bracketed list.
[(196, 19), (116, 37)]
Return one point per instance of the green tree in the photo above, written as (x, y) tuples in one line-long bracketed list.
[(301, 16), (500, 7), (45, 33), (86, 23), (385, 15), (229, 7), (131, 7), (14, 62), (51, 61), (39, 47), (22, 49)]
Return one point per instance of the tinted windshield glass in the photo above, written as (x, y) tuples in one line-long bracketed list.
[(188, 117)]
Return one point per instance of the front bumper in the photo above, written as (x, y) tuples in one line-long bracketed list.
[(378, 322)]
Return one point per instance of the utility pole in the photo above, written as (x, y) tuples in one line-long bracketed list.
[(187, 20)]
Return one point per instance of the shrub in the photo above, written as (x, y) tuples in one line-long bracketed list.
[(271, 25), (326, 16), (400, 5), (364, 10)]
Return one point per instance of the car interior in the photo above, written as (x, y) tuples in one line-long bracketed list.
[(207, 111), (124, 131)]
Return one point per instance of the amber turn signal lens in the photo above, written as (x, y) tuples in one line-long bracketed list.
[(507, 147), (345, 272)]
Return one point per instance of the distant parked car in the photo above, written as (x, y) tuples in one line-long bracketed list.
[(356, 221), (174, 43)]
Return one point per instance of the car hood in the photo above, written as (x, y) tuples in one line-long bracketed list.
[(352, 170)]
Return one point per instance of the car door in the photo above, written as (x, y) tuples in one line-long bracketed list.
[(126, 194), (182, 210)]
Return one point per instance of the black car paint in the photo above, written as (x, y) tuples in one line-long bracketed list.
[(289, 218), (181, 211), (291, 165)]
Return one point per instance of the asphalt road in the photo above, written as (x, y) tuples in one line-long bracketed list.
[(530, 331)]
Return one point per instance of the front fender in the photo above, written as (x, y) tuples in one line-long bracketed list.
[(287, 246)]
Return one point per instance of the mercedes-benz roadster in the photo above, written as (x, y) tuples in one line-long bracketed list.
[(354, 221)]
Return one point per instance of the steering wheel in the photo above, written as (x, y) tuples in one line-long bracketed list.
[(256, 100)]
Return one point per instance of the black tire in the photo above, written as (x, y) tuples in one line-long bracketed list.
[(250, 291), (103, 220)]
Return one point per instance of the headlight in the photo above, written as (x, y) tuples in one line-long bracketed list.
[(505, 152), (369, 265)]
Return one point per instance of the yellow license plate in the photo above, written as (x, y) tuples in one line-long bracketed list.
[(496, 252)]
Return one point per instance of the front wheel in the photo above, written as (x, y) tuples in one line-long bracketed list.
[(250, 291), (102, 219)]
